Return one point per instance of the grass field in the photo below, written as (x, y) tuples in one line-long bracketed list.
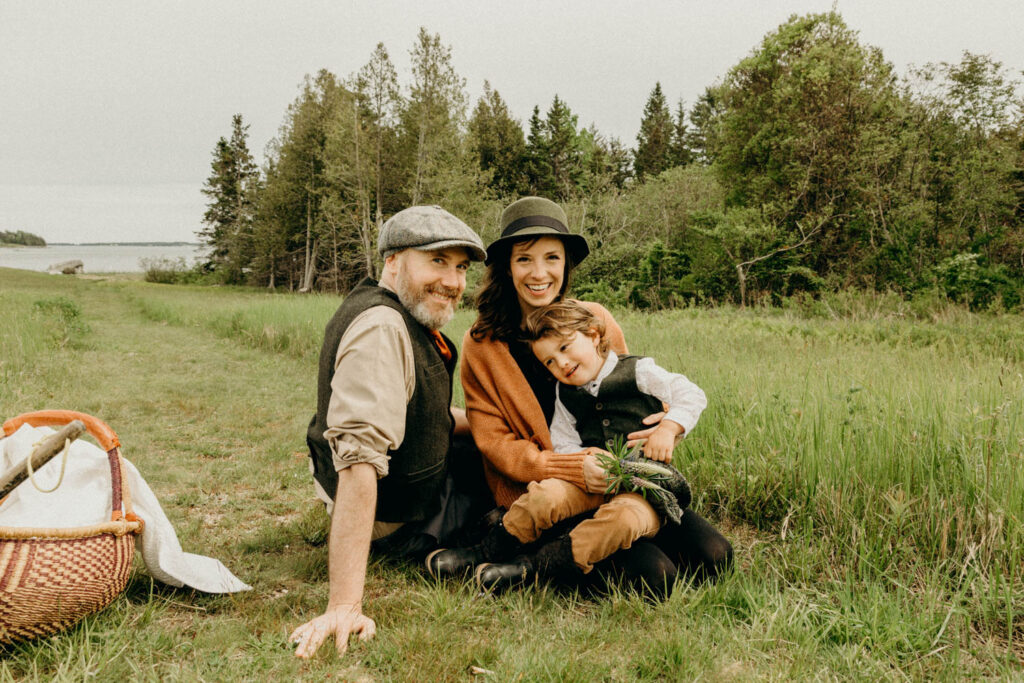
[(866, 459)]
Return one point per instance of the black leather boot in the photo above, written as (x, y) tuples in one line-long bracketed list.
[(500, 577), (553, 560), (496, 546)]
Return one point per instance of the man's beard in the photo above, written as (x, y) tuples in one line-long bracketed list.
[(415, 301)]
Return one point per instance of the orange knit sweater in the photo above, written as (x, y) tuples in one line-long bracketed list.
[(507, 421)]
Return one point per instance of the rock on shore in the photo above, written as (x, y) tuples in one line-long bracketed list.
[(73, 267)]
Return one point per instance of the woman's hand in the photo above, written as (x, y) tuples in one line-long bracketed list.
[(594, 476), (634, 438)]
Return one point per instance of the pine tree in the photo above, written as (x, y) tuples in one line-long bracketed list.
[(704, 115), (297, 186), (498, 143), (432, 123), (231, 189), (654, 141), (540, 178), (563, 148), (381, 101), (606, 162), (679, 148)]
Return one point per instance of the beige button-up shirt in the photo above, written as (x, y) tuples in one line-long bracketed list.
[(374, 377)]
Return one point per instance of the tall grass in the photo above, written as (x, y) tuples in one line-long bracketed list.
[(866, 460), (32, 327), (887, 433)]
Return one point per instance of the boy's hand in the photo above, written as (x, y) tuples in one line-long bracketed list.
[(662, 441), (641, 435)]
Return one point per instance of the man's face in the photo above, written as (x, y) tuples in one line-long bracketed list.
[(430, 283)]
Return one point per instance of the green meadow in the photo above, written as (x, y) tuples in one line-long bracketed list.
[(864, 455)]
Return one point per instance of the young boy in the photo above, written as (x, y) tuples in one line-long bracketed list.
[(600, 396)]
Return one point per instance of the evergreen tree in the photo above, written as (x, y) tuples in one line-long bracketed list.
[(703, 117), (231, 189), (298, 184), (432, 121), (563, 149), (679, 148), (498, 143), (606, 162), (350, 169), (540, 177), (654, 141), (381, 101)]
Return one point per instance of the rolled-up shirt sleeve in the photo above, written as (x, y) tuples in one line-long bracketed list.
[(373, 381)]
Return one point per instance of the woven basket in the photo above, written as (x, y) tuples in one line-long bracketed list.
[(51, 578)]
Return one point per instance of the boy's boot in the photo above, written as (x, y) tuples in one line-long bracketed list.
[(553, 561), (497, 545)]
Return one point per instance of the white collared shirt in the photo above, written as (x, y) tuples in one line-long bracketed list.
[(686, 401)]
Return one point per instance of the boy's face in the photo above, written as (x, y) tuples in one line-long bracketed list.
[(574, 359)]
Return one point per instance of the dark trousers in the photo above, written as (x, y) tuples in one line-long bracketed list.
[(694, 548), (465, 500)]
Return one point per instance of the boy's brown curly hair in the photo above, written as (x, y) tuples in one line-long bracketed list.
[(561, 319)]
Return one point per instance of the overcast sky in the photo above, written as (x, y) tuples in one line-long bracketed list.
[(109, 111)]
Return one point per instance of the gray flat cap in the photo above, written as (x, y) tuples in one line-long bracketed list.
[(426, 228)]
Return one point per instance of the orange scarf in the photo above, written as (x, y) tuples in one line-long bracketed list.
[(442, 347)]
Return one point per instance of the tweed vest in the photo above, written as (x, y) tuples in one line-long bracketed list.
[(618, 409), (416, 472)]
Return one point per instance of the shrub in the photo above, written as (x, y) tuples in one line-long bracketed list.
[(967, 279), (168, 271), (63, 317)]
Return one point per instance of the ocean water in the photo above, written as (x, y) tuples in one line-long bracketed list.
[(99, 258)]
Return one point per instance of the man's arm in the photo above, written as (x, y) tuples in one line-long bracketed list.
[(348, 550), (365, 418)]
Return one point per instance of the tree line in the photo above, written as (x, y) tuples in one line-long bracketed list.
[(21, 238), (810, 166)]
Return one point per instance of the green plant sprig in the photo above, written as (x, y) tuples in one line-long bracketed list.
[(660, 484)]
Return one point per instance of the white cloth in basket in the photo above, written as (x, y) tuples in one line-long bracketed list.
[(84, 498)]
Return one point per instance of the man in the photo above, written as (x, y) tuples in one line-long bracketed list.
[(381, 439)]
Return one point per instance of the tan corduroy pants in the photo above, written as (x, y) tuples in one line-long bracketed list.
[(619, 521)]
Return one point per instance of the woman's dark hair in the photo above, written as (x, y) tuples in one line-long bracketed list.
[(500, 316)]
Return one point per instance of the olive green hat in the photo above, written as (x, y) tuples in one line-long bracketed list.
[(533, 217)]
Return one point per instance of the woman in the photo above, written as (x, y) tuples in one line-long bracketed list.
[(510, 396)]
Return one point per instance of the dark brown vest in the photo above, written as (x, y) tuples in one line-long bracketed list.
[(417, 469)]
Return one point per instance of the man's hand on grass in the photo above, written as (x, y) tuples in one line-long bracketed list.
[(340, 622)]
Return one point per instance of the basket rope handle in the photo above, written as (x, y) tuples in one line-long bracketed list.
[(63, 466), (108, 441)]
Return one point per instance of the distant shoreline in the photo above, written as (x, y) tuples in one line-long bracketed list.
[(124, 244), (102, 244)]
